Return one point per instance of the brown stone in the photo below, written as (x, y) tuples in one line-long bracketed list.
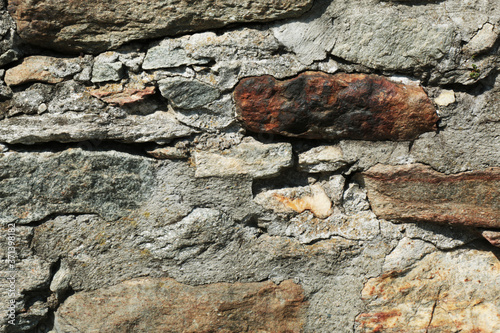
[(492, 236), (41, 69), (444, 292), (418, 193), (164, 305), (96, 26), (125, 96), (316, 105)]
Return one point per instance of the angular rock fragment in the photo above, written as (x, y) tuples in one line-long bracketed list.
[(107, 71), (492, 236), (297, 199), (101, 25), (164, 305), (418, 193), (322, 159), (315, 105), (42, 69), (123, 96), (187, 94), (443, 292), (483, 40), (250, 157)]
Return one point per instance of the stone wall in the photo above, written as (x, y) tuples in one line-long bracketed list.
[(250, 166)]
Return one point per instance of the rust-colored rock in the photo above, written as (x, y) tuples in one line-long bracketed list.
[(418, 193), (164, 305), (444, 292), (316, 105)]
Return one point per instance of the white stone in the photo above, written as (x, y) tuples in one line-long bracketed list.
[(252, 158), (322, 159), (483, 40), (445, 98)]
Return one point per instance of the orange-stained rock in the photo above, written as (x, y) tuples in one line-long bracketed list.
[(444, 292), (164, 305), (42, 69), (316, 105), (125, 96), (418, 193)]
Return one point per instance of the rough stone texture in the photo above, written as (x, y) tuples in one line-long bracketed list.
[(42, 69), (123, 95), (322, 159), (320, 106), (129, 167), (469, 140), (418, 193), (248, 158), (99, 26), (492, 236), (8, 51), (429, 297), (74, 126), (79, 182), (187, 94), (398, 36), (312, 198), (161, 305)]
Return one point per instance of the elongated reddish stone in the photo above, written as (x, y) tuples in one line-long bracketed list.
[(316, 105), (418, 193)]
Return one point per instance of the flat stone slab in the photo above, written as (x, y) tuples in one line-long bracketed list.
[(36, 185), (315, 105), (82, 26), (164, 305), (252, 158), (418, 193), (42, 69)]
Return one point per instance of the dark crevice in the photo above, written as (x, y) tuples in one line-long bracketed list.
[(95, 145)]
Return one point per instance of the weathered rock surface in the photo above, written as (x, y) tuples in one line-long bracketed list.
[(493, 236), (443, 292), (315, 105), (297, 199), (8, 51), (397, 36), (469, 140), (187, 94), (306, 228), (160, 305), (250, 157), (103, 25), (75, 126), (322, 159), (42, 69), (74, 181), (123, 95), (418, 193), (168, 207)]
